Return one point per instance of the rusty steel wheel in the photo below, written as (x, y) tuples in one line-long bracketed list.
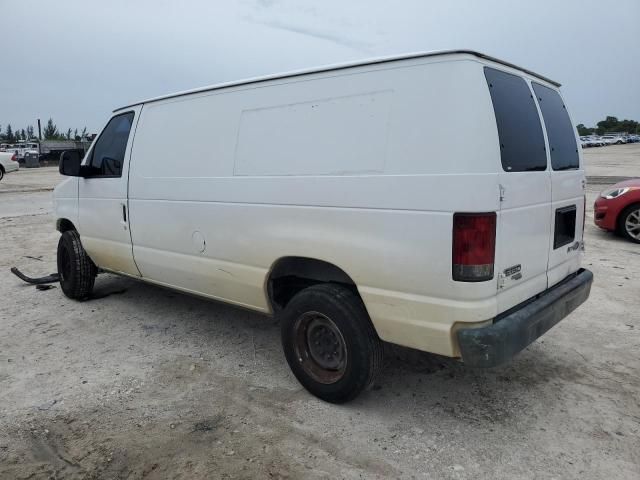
[(330, 343), (320, 347)]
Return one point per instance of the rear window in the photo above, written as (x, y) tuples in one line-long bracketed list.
[(521, 140), (562, 138)]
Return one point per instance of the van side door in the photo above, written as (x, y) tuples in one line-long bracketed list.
[(103, 196)]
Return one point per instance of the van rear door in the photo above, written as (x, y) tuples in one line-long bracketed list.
[(567, 185), (523, 232)]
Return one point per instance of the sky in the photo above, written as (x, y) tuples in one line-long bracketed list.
[(77, 60)]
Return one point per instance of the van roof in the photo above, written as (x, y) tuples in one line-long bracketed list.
[(341, 66)]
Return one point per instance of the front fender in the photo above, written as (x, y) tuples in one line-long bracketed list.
[(65, 201)]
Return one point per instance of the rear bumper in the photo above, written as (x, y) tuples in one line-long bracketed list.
[(519, 327)]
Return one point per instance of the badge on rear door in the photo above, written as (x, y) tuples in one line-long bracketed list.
[(508, 272)]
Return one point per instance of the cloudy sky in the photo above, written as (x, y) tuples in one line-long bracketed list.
[(77, 60)]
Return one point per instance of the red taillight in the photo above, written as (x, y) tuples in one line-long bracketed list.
[(474, 246), (14, 157)]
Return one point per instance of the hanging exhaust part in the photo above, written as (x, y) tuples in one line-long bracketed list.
[(53, 278)]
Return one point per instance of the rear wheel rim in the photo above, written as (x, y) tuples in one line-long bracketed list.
[(632, 224), (320, 347)]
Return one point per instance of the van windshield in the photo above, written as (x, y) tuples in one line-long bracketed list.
[(521, 140), (562, 137)]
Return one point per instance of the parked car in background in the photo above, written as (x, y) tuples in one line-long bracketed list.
[(617, 209), (584, 143), (613, 139), (8, 163), (594, 141)]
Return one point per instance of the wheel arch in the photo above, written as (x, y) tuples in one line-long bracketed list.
[(291, 274), (64, 224)]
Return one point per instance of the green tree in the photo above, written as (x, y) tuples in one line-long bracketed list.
[(68, 135), (629, 126), (609, 124), (30, 132), (9, 137), (51, 131), (612, 124), (582, 130)]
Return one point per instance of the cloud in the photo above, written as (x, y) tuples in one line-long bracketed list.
[(76, 60), (322, 35)]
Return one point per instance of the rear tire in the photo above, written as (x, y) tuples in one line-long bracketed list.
[(1, 173), (330, 343), (629, 223), (77, 271)]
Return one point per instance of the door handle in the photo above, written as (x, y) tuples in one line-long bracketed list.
[(123, 222)]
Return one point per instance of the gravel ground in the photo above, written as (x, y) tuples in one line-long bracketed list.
[(148, 383)]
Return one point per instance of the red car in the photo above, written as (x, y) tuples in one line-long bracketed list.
[(617, 209)]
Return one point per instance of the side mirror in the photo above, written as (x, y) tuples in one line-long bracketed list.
[(69, 164)]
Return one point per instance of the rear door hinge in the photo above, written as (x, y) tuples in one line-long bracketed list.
[(501, 192), (501, 280)]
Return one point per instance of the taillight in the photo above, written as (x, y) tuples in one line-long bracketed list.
[(474, 246), (14, 157)]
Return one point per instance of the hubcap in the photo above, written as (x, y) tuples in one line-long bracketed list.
[(320, 347), (632, 224)]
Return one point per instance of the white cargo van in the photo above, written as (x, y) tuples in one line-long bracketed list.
[(345, 201)]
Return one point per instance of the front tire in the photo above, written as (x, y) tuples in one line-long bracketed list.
[(330, 343), (1, 173), (77, 271), (629, 223)]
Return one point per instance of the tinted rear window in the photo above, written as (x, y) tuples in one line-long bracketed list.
[(519, 129), (562, 139)]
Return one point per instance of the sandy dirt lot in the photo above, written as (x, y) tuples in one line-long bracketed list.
[(148, 383)]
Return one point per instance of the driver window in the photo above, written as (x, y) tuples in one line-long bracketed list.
[(107, 156)]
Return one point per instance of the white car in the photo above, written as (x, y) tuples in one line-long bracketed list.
[(341, 200), (613, 140), (8, 163)]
